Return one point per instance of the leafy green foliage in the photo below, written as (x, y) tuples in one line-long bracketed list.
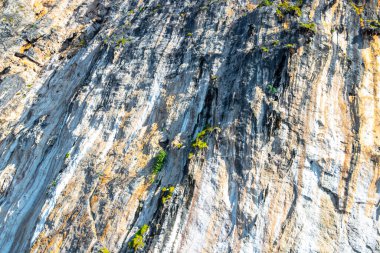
[(67, 156), (53, 184), (265, 3), (104, 250), (264, 49), (358, 9), (167, 193), (82, 43), (137, 241), (279, 14), (159, 162), (199, 142), (178, 145), (144, 229), (122, 41), (155, 9), (272, 89), (275, 42), (308, 26), (290, 46), (287, 8), (374, 24)]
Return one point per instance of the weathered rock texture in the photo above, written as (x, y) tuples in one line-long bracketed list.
[(92, 90)]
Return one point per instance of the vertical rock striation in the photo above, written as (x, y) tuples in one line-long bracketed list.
[(268, 115)]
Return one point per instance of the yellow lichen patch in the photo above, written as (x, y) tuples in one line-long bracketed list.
[(106, 177), (170, 101), (251, 7), (286, 25), (40, 7), (94, 200), (39, 10), (230, 12), (55, 244), (37, 245), (29, 65), (25, 48), (45, 243)]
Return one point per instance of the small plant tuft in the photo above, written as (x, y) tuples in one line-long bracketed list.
[(122, 42), (53, 184), (358, 9), (309, 27), (82, 43), (290, 46), (137, 241), (104, 250), (375, 24), (264, 49), (159, 162), (279, 13), (199, 142), (272, 90), (167, 193), (286, 8), (179, 145), (265, 3)]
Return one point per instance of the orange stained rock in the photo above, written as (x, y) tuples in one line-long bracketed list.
[(251, 7), (25, 47), (371, 58)]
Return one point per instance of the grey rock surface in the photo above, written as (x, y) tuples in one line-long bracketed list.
[(266, 117)]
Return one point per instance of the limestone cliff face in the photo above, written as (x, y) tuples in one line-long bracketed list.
[(224, 126)]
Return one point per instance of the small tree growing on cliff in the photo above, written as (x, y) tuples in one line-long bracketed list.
[(137, 241)]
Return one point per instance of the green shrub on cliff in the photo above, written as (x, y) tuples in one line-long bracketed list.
[(199, 142), (137, 242), (308, 26), (104, 250), (265, 3), (272, 89), (264, 49), (358, 9), (159, 162), (287, 8), (290, 46), (167, 193)]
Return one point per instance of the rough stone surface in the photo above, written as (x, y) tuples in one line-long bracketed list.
[(91, 91)]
